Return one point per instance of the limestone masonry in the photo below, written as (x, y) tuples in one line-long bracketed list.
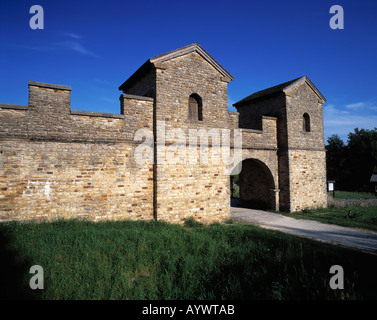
[(56, 162)]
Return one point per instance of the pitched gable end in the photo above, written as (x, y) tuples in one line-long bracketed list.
[(301, 80), (284, 87), (188, 49)]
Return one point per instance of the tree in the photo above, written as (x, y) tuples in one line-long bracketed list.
[(335, 160), (352, 165), (362, 156)]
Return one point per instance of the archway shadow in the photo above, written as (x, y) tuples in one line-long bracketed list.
[(254, 204), (259, 205), (234, 202), (255, 186)]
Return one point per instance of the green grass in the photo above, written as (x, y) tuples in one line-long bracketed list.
[(354, 195), (155, 260), (349, 216)]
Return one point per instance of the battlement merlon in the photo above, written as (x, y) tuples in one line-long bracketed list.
[(49, 115), (47, 97), (49, 86)]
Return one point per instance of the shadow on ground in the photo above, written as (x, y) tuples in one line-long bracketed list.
[(13, 274), (249, 204)]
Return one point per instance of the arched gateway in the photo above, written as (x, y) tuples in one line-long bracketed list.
[(256, 185), (57, 162)]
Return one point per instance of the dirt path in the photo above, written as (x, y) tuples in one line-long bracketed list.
[(358, 239)]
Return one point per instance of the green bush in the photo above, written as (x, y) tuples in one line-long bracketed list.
[(353, 214)]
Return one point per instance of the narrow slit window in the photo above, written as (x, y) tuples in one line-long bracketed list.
[(195, 107), (306, 122)]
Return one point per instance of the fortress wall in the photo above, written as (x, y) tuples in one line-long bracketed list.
[(45, 179), (261, 139), (306, 154), (177, 79), (192, 189), (56, 162), (307, 179), (252, 115)]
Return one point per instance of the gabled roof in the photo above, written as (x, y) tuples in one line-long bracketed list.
[(188, 49), (171, 55), (284, 87)]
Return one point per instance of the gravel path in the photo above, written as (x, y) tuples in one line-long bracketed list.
[(358, 239)]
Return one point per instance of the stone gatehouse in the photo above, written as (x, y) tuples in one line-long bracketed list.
[(56, 162)]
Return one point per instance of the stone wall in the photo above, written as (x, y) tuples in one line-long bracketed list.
[(56, 162), (307, 179), (191, 189), (201, 190), (301, 100), (266, 138), (300, 154), (307, 155), (144, 85), (252, 114), (140, 164), (195, 75), (59, 179), (195, 190)]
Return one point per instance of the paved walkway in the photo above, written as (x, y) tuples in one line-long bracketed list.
[(359, 239)]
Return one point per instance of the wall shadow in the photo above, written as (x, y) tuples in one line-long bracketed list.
[(13, 274)]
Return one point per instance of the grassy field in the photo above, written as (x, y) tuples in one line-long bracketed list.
[(354, 195), (155, 260), (350, 216)]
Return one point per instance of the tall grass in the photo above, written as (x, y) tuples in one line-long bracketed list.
[(156, 260)]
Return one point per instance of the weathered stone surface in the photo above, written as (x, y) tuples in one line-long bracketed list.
[(300, 154), (56, 162)]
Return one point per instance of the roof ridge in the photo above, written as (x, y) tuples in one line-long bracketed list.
[(187, 49), (273, 89), (195, 44), (280, 88), (174, 54)]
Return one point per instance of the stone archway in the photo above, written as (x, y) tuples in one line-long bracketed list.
[(256, 186)]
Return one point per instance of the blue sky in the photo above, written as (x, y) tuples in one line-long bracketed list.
[(94, 46)]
